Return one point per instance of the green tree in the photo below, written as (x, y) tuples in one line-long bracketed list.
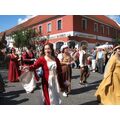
[(117, 41), (17, 36), (22, 37)]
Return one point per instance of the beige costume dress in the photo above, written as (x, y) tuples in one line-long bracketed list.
[(66, 69), (108, 91)]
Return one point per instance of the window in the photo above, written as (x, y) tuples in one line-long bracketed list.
[(40, 29), (59, 24), (84, 24), (71, 44), (49, 27), (102, 29), (95, 27), (108, 31), (58, 45)]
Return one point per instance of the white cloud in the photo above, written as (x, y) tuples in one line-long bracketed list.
[(20, 20)]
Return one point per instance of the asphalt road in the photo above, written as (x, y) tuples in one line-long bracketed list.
[(80, 95)]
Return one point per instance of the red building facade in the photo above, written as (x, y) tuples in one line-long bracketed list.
[(74, 30)]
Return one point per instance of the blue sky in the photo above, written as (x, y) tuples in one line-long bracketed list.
[(9, 21)]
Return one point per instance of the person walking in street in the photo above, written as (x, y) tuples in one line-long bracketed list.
[(28, 58), (84, 71), (13, 72), (108, 92), (52, 80), (66, 61), (94, 53), (100, 59)]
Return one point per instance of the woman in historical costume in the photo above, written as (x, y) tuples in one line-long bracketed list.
[(83, 60), (108, 92), (28, 58), (66, 61), (52, 75), (13, 72)]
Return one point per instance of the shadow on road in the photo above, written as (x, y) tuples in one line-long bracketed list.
[(95, 102), (8, 101), (16, 93), (82, 89), (96, 82), (7, 98), (75, 77)]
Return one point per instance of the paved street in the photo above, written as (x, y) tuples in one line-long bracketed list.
[(16, 95)]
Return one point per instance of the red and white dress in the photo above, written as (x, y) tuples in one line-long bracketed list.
[(51, 80)]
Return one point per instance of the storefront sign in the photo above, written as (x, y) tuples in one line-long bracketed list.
[(85, 36), (58, 36)]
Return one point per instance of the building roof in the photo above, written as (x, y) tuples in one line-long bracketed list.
[(105, 20), (39, 18), (28, 23)]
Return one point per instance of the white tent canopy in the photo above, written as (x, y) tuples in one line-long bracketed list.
[(105, 46)]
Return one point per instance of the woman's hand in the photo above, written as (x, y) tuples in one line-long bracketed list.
[(25, 68)]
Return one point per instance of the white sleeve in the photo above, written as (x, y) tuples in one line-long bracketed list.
[(81, 59), (60, 56)]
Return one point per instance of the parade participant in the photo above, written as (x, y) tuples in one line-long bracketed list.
[(28, 56), (2, 84), (108, 91), (28, 59), (100, 59), (94, 52), (66, 61), (52, 75), (76, 58), (13, 72), (39, 71), (84, 71)]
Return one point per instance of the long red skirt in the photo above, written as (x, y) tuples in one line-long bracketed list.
[(13, 73)]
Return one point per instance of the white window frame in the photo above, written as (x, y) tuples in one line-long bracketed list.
[(84, 19), (61, 24), (48, 27), (102, 29), (95, 27)]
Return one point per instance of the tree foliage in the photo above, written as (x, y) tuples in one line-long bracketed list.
[(117, 41), (22, 37)]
